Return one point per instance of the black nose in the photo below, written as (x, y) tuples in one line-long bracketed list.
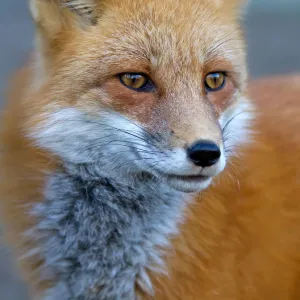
[(204, 153)]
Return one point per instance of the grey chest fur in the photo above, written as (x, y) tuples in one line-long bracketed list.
[(99, 237)]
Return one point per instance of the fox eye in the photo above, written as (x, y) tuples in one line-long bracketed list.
[(215, 81), (137, 82)]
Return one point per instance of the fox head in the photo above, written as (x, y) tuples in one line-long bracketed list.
[(132, 87)]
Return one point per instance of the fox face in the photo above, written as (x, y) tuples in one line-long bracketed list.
[(139, 88)]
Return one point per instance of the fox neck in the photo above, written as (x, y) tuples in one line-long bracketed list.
[(99, 236)]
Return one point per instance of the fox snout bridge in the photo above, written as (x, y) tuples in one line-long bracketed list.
[(204, 153)]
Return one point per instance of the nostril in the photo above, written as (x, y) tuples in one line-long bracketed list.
[(204, 153)]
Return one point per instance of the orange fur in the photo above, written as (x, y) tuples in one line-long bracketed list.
[(23, 172), (241, 237)]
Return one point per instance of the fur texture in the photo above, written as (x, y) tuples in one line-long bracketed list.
[(241, 238), (99, 236), (95, 176)]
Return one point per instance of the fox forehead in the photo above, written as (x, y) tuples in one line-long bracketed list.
[(153, 34)]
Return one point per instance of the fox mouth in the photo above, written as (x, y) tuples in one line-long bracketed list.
[(187, 178), (186, 183)]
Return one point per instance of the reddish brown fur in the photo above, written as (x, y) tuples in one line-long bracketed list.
[(23, 171), (241, 239)]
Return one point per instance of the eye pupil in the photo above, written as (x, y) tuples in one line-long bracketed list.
[(135, 81), (138, 82), (215, 81)]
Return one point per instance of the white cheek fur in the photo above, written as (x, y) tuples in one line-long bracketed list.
[(113, 144), (237, 121), (81, 138)]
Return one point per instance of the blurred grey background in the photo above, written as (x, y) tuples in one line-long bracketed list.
[(273, 34)]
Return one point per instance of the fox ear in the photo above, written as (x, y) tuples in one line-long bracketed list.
[(55, 20), (53, 16), (84, 8)]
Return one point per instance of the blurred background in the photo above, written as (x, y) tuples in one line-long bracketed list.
[(273, 34)]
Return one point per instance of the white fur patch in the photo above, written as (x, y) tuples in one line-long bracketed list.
[(236, 123), (116, 144)]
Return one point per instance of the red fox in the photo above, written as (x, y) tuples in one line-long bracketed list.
[(138, 162)]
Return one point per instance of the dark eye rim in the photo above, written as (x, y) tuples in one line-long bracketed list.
[(148, 86), (209, 89)]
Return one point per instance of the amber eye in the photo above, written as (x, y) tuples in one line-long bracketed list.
[(137, 82), (215, 81)]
